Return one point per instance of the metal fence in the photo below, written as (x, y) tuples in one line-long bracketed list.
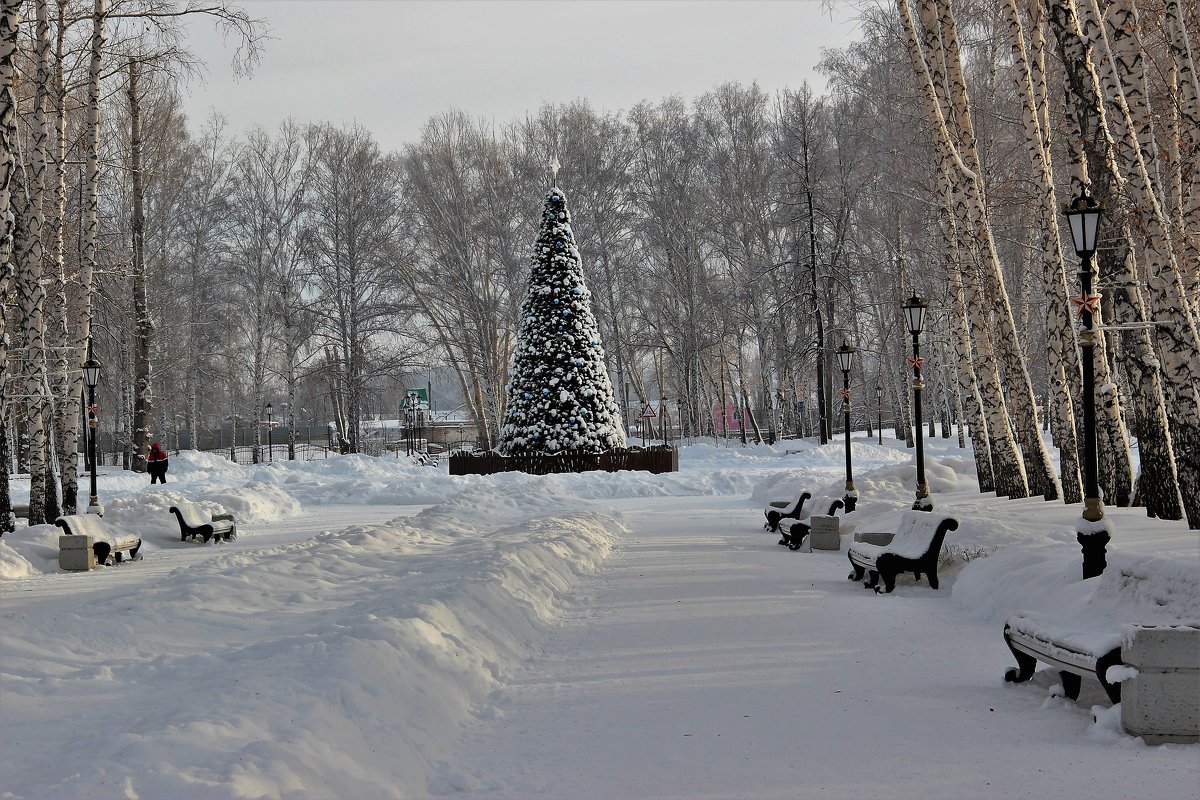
[(656, 460)]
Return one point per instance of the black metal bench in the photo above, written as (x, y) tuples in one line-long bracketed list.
[(108, 545), (1035, 637), (793, 532), (193, 523), (915, 548), (784, 509)]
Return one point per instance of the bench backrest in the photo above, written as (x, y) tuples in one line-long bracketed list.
[(191, 515), (824, 506), (85, 525), (917, 531)]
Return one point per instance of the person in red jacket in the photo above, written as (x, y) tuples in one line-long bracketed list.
[(157, 464)]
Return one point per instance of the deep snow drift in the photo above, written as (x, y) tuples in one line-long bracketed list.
[(372, 610)]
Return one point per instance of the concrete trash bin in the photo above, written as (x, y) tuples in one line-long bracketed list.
[(823, 533), (1161, 703), (75, 553)]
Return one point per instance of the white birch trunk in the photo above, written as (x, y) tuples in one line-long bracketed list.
[(91, 221), (969, 216), (1157, 486), (1169, 303), (1022, 406), (1060, 330), (65, 409), (1186, 144), (143, 326), (10, 20), (31, 293)]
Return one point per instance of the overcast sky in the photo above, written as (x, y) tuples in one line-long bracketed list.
[(393, 64)]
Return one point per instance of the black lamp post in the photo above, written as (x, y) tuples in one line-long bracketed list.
[(1092, 531), (879, 410), (91, 377), (270, 429), (914, 314), (845, 357)]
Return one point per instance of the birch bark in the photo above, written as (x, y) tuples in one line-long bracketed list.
[(1059, 324), (143, 326), (91, 210), (65, 407), (1169, 306), (967, 198), (1186, 143), (10, 21), (1157, 486), (31, 293)]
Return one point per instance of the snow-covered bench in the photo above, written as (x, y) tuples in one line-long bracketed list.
[(193, 522), (784, 509), (1148, 597), (794, 531), (1073, 652), (914, 548), (107, 544)]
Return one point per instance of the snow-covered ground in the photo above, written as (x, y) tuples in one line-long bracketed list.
[(382, 629)]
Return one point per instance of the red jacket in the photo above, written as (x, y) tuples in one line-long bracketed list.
[(157, 454)]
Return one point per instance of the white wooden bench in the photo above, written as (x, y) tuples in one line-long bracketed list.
[(915, 548), (193, 522), (794, 531), (1132, 591), (784, 509), (108, 545)]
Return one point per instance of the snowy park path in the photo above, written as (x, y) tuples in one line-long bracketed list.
[(707, 662)]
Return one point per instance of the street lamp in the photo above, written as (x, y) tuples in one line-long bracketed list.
[(270, 441), (914, 314), (845, 358), (91, 377), (879, 410), (1092, 532)]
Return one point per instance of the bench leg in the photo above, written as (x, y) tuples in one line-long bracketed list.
[(889, 581), (183, 537), (1109, 659), (857, 574), (206, 536), (1070, 684), (772, 521), (1026, 664), (872, 579)]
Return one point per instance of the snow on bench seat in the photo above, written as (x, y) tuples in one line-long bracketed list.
[(915, 548)]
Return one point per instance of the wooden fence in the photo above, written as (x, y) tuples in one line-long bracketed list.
[(653, 459)]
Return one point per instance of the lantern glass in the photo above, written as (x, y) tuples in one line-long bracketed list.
[(879, 392), (845, 357), (914, 313), (269, 407), (1084, 218), (91, 374)]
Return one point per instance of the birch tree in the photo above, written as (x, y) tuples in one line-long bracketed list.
[(10, 21)]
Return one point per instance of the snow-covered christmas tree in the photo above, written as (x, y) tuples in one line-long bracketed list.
[(560, 399)]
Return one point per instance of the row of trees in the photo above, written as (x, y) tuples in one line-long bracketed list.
[(730, 242)]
